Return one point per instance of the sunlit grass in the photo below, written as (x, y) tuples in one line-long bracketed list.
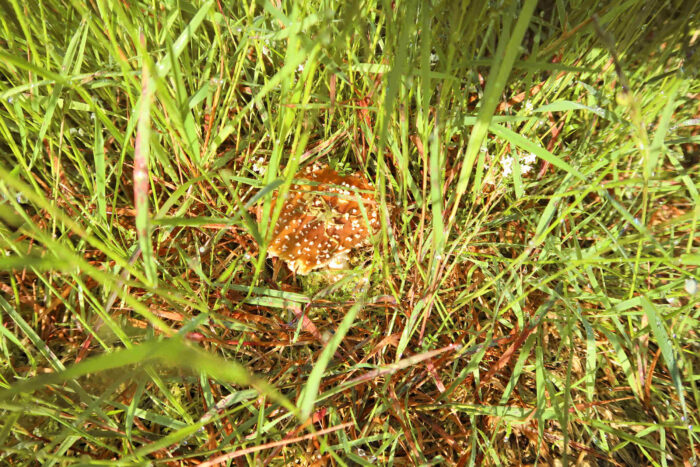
[(530, 298)]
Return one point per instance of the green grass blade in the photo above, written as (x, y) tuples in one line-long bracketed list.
[(307, 399)]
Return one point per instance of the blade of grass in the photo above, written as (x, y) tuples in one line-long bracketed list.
[(505, 57), (141, 173), (307, 399), (656, 324)]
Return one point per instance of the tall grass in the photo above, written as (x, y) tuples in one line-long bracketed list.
[(531, 297)]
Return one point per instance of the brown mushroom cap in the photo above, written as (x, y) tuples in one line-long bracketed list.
[(322, 221)]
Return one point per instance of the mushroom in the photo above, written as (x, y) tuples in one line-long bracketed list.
[(322, 220)]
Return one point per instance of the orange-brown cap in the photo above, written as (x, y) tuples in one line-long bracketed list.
[(322, 220)]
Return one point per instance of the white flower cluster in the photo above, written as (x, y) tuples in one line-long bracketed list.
[(526, 162), (265, 46), (259, 166)]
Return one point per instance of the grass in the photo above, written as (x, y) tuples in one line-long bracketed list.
[(531, 298)]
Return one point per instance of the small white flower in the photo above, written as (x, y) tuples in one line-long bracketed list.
[(691, 286), (529, 106), (507, 164), (259, 166), (300, 68), (529, 159)]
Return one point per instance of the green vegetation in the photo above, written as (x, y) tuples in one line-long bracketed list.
[(531, 298)]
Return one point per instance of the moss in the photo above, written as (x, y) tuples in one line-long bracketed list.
[(334, 284)]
